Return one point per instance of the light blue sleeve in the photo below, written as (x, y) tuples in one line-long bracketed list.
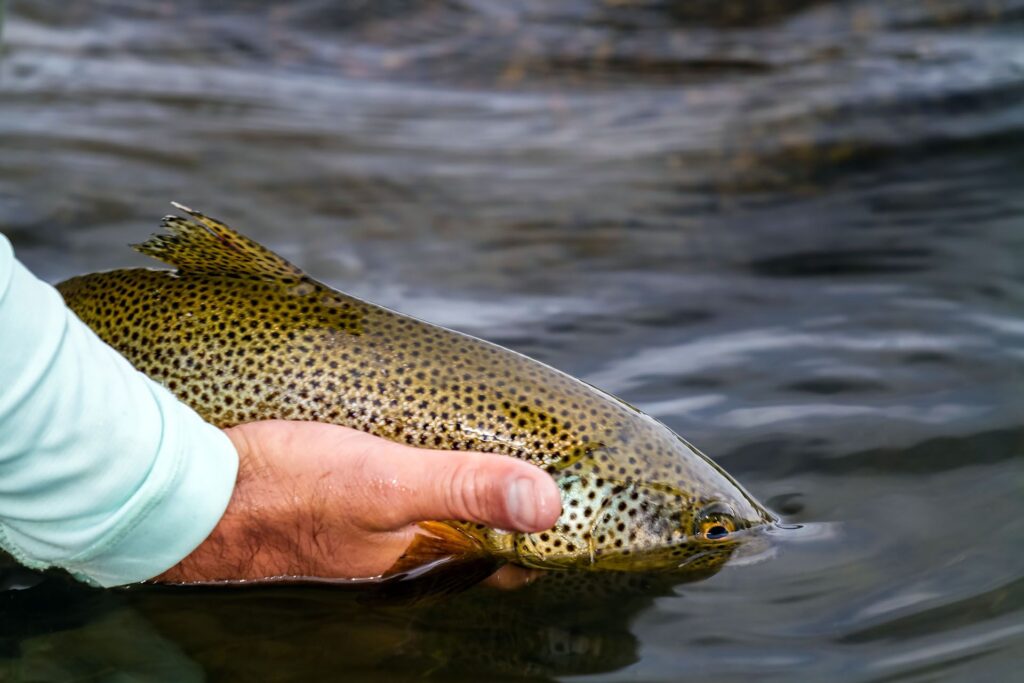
[(102, 471)]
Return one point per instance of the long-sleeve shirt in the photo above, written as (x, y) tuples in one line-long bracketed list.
[(102, 471)]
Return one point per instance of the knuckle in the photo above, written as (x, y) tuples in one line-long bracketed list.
[(469, 492)]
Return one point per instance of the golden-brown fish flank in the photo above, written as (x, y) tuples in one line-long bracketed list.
[(240, 334)]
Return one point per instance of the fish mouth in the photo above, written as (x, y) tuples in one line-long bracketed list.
[(805, 532), (754, 545), (765, 542)]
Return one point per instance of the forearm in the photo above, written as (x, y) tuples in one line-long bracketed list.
[(102, 471)]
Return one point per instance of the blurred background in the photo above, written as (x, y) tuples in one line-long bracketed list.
[(793, 230)]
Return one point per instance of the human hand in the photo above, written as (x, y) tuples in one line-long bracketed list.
[(319, 500)]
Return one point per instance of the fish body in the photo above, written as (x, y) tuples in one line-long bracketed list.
[(240, 334)]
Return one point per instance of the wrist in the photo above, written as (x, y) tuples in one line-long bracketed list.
[(257, 536)]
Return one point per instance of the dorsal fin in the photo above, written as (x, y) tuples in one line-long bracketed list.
[(204, 245)]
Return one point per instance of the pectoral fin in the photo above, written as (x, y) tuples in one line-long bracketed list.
[(440, 560)]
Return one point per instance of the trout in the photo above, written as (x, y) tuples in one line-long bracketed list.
[(240, 334)]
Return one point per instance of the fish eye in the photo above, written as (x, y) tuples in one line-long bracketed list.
[(715, 531), (714, 524)]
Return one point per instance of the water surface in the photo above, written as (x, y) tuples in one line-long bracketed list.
[(792, 230)]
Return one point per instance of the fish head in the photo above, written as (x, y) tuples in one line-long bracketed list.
[(643, 499)]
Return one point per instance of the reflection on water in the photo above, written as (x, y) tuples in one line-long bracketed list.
[(790, 229), (560, 624)]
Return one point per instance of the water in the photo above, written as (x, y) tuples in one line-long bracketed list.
[(792, 230)]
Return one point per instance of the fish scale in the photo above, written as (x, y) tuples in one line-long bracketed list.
[(240, 334)]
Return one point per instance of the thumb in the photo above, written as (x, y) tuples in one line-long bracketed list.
[(493, 490)]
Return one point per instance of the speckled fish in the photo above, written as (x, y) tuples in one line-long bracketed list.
[(240, 334)]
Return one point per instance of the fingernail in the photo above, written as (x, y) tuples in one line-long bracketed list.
[(522, 504)]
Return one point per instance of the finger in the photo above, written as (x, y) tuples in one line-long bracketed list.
[(494, 490), (510, 577)]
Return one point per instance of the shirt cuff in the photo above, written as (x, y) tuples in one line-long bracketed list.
[(175, 509)]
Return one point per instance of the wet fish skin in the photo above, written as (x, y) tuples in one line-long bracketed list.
[(240, 334)]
